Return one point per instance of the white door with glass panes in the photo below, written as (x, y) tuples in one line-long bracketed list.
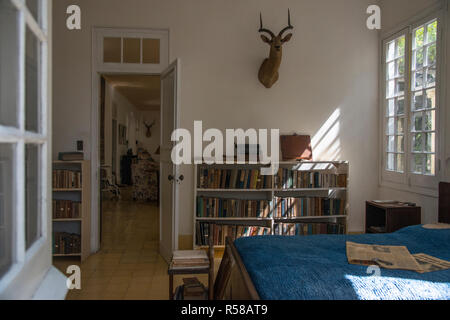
[(25, 222), (411, 92)]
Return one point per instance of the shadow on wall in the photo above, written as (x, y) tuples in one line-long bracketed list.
[(326, 143)]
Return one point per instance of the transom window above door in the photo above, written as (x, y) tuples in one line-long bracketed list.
[(118, 50)]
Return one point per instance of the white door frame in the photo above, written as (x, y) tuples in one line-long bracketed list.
[(174, 66), (99, 68)]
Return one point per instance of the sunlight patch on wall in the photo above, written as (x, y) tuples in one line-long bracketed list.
[(326, 142)]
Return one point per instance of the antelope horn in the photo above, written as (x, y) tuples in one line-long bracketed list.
[(289, 24), (261, 29)]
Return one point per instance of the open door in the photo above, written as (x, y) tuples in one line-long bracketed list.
[(169, 175)]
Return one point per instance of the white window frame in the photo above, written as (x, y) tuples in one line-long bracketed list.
[(408, 181), (31, 269)]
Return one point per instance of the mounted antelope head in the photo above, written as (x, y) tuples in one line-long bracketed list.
[(268, 72), (148, 134)]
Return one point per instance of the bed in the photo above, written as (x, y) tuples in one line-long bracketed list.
[(316, 267)]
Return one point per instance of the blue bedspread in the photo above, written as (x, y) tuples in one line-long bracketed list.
[(316, 267)]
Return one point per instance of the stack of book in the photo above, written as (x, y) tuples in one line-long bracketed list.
[(308, 207), (66, 243), (190, 259), (294, 179), (66, 179), (70, 156), (66, 209), (234, 179), (193, 289), (303, 229), (221, 232), (217, 207)]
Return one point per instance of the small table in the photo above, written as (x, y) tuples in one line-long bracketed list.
[(390, 217), (189, 270)]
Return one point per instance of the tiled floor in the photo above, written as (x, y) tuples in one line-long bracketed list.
[(128, 265)]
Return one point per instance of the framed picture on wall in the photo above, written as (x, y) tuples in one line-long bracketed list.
[(122, 134)]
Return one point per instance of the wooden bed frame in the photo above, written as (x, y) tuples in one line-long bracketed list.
[(234, 283)]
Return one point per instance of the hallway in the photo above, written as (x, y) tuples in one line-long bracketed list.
[(128, 265)]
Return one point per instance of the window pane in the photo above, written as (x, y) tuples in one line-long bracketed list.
[(391, 70), (417, 121), (418, 80), (429, 121), (32, 82), (131, 50), (390, 161), (150, 48), (430, 167), (390, 89), (431, 99), (33, 200), (418, 59), (431, 55), (429, 142), (432, 32), (417, 141), (431, 77), (417, 101), (34, 6), (418, 37), (112, 50), (400, 43), (391, 126), (9, 64), (400, 163), (390, 112), (6, 207), (390, 54), (391, 143), (401, 106), (399, 86), (400, 144), (400, 126), (417, 163)]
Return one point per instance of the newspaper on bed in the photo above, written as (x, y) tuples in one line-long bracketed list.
[(430, 264), (389, 257)]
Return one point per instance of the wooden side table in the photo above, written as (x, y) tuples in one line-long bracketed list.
[(192, 270), (390, 217)]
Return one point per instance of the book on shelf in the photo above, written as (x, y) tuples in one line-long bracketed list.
[(218, 207), (295, 179), (308, 207), (214, 178), (66, 179), (70, 156), (223, 231), (66, 243), (303, 229), (66, 209)]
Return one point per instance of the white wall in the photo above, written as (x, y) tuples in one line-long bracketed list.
[(395, 13), (330, 64)]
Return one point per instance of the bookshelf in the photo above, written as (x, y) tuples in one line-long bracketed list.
[(71, 211), (308, 197)]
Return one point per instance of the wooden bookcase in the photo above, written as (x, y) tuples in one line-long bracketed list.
[(81, 224), (275, 192)]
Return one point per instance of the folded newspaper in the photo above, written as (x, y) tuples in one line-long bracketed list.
[(393, 257), (389, 257)]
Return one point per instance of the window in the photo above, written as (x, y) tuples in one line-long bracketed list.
[(24, 141), (410, 105)]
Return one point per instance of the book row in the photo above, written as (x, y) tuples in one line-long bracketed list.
[(292, 179), (66, 209), (304, 229), (307, 207), (221, 232), (217, 207), (66, 243), (66, 179), (233, 179)]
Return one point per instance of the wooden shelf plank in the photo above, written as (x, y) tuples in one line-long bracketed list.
[(68, 219), (67, 255), (66, 189)]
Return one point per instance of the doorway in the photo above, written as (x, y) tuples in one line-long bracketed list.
[(130, 124)]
